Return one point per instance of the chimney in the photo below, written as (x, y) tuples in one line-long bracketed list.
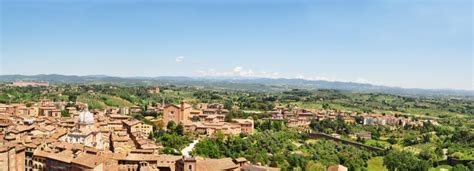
[(182, 105)]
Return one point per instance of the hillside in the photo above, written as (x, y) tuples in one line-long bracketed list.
[(246, 84), (101, 101)]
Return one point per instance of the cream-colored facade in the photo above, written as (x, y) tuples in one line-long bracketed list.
[(133, 126), (12, 158)]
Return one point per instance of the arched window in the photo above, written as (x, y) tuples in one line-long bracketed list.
[(190, 167)]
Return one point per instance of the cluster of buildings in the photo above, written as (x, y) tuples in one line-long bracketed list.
[(36, 137), (29, 84), (206, 119), (41, 139), (302, 118)]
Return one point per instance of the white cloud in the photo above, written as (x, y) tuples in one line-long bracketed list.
[(179, 59), (361, 80), (239, 71), (299, 76)]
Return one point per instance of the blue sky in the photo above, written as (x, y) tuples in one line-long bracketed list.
[(407, 43)]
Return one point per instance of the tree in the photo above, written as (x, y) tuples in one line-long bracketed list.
[(410, 140), (171, 126), (315, 166), (404, 160), (426, 138), (460, 167), (326, 106), (375, 134), (463, 136), (150, 136), (65, 113), (179, 129), (228, 104), (392, 140), (429, 155), (195, 119)]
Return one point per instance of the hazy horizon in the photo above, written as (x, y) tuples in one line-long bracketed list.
[(236, 78), (423, 44)]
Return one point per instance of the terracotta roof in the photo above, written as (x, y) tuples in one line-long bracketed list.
[(30, 145), (131, 122), (337, 168), (65, 156), (21, 128), (215, 164), (171, 105), (119, 116), (259, 168), (88, 160), (41, 153), (4, 148), (243, 121), (241, 159), (140, 157)]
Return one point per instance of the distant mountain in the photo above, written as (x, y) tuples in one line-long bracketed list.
[(360, 87), (254, 84)]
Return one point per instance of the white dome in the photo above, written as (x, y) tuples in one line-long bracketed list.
[(86, 117)]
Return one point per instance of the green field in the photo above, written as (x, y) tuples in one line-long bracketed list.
[(102, 101)]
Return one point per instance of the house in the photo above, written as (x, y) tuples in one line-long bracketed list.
[(294, 123), (133, 125), (87, 161), (364, 135), (124, 110), (223, 164), (29, 83), (349, 120), (337, 168), (5, 122), (258, 168), (135, 109), (193, 164), (210, 129), (302, 114), (133, 161), (246, 125), (154, 90), (119, 117), (12, 157)]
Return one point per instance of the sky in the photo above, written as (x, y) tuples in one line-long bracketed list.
[(403, 43)]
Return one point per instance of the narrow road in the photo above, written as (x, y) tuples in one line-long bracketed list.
[(185, 152)]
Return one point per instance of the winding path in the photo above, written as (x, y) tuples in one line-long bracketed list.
[(185, 152)]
